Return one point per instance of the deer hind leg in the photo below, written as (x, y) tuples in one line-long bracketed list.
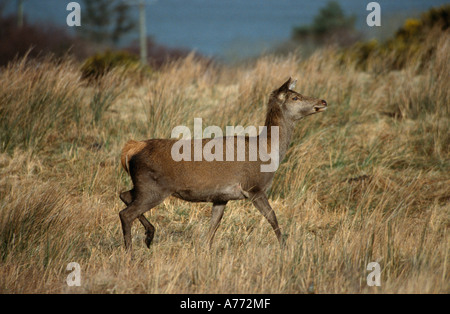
[(127, 198), (262, 204), (216, 217), (149, 230), (141, 203)]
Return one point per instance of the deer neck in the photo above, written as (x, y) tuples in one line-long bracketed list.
[(275, 117)]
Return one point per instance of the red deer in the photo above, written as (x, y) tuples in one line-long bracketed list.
[(155, 175)]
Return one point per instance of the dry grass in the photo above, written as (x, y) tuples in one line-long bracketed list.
[(366, 181)]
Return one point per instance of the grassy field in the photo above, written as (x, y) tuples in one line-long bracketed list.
[(366, 181)]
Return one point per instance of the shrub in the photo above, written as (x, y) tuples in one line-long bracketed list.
[(415, 41), (37, 41), (99, 64)]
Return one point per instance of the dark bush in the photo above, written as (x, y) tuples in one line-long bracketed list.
[(101, 63), (36, 40)]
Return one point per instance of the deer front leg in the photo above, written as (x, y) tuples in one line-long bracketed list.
[(262, 204), (216, 217)]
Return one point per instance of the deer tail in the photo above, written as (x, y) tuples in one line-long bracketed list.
[(130, 149)]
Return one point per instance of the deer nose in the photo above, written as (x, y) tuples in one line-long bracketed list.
[(324, 103)]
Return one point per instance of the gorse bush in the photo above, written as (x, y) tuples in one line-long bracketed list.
[(416, 42)]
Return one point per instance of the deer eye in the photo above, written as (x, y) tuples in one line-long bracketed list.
[(295, 98)]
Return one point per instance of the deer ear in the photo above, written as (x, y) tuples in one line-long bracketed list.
[(285, 87), (281, 92), (292, 84)]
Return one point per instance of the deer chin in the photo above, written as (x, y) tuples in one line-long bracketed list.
[(319, 108)]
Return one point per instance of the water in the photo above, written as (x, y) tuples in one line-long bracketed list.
[(240, 28)]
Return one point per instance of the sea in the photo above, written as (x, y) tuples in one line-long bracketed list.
[(233, 28)]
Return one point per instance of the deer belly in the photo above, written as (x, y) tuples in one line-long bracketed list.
[(219, 194)]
